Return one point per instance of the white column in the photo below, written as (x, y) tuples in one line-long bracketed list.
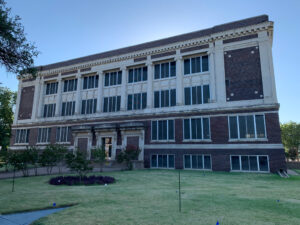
[(179, 79), (37, 89), (41, 100), (124, 89), (58, 97), (212, 75), (149, 83), (220, 72), (100, 92), (78, 95), (18, 101), (267, 70)]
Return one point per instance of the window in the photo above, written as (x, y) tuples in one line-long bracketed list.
[(196, 65), (137, 101), (165, 70), (51, 88), (137, 74), (162, 161), (22, 136), (111, 104), (44, 135), (63, 134), (113, 78), (247, 127), (162, 130), (165, 98), (196, 95), (49, 110), (70, 85), (88, 106), (196, 129), (197, 162), (256, 163), (68, 108), (90, 82)]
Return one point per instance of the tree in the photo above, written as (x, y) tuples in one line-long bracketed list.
[(98, 155), (24, 161), (34, 158), (7, 102), (78, 163), (16, 53), (15, 162), (49, 158), (60, 152), (290, 135), (4, 159), (128, 155)]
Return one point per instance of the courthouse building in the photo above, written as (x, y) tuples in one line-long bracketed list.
[(203, 100)]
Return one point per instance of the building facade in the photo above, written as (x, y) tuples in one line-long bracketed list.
[(203, 100)]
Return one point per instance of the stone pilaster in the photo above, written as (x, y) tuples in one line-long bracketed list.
[(78, 95), (179, 79), (124, 89), (149, 83), (58, 97), (220, 72), (100, 92)]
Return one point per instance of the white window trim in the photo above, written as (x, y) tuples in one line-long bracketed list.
[(95, 83), (203, 169), (132, 105), (60, 133), (46, 142), (109, 76), (238, 128), (165, 78), (202, 96), (159, 98), (68, 80), (85, 108), (197, 73), (250, 171), (137, 82), (18, 138), (157, 162), (168, 140), (190, 124), (116, 96)]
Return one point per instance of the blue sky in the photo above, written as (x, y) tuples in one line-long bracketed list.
[(66, 29)]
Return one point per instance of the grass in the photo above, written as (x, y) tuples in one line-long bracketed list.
[(150, 197)]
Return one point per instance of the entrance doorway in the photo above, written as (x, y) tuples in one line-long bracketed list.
[(107, 146)]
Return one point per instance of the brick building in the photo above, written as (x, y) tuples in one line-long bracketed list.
[(201, 100)]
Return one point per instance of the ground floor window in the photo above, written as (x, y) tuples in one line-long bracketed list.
[(258, 163), (162, 161), (197, 162)]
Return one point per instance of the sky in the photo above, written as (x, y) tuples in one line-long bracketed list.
[(66, 29)]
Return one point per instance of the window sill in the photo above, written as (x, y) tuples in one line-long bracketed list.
[(248, 171), (197, 140), (195, 74), (138, 82), (162, 168), (43, 143), (21, 144), (197, 169), (63, 143), (165, 78), (111, 86), (162, 141), (89, 89), (248, 139)]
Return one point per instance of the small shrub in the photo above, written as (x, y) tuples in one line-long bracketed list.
[(99, 155), (77, 180), (49, 158), (128, 155)]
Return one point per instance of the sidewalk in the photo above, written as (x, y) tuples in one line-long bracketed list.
[(43, 171)]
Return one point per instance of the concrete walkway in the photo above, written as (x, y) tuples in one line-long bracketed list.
[(27, 217), (55, 170)]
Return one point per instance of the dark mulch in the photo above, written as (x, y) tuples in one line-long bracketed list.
[(75, 180)]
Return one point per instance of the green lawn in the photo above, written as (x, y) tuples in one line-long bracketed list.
[(150, 197)]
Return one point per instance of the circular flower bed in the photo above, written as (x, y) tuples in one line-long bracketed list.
[(75, 180)]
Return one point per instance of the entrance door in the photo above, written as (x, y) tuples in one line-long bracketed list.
[(107, 146), (133, 141), (82, 145)]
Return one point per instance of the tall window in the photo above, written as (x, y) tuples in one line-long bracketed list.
[(197, 162), (165, 70), (247, 127), (259, 163), (63, 134), (22, 136), (163, 161), (68, 108), (137, 74), (137, 101), (196, 95), (44, 135), (88, 106), (90, 82), (196, 65), (49, 110), (164, 98), (162, 130), (111, 104), (70, 85), (196, 129), (51, 88), (113, 78)]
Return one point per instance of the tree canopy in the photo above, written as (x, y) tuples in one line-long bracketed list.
[(16, 53), (290, 135), (7, 102)]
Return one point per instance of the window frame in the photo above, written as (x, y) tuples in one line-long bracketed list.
[(202, 129), (157, 167), (66, 85), (19, 138), (250, 171), (203, 155), (110, 77), (133, 74), (169, 99), (190, 62), (133, 101), (68, 138), (202, 94), (93, 105), (114, 103), (160, 70), (40, 135), (49, 91), (255, 131), (168, 134)]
